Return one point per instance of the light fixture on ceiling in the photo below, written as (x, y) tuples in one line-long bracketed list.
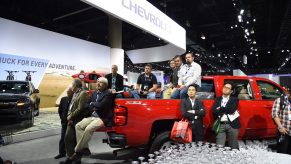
[(242, 11), (239, 17), (248, 22), (269, 52), (254, 42), (282, 51), (203, 36), (254, 20), (287, 50)]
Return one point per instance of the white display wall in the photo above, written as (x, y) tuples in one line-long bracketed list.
[(60, 53)]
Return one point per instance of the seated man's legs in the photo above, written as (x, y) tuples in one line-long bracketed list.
[(183, 93), (175, 94), (135, 94), (85, 136), (151, 95), (80, 128)]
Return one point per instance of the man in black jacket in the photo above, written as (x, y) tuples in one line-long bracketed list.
[(63, 113), (115, 80), (194, 110), (225, 108), (101, 105)]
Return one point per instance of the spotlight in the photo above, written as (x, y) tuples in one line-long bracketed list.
[(242, 11), (269, 52), (254, 20), (282, 51), (239, 18), (203, 37)]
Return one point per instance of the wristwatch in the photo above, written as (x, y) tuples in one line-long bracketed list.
[(280, 127)]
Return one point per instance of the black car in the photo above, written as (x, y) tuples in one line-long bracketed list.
[(19, 103)]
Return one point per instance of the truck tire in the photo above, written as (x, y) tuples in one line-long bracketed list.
[(162, 141)]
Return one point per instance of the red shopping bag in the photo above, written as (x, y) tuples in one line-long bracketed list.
[(181, 131)]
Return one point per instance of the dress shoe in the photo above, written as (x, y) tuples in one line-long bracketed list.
[(86, 152), (67, 161), (59, 156), (76, 156)]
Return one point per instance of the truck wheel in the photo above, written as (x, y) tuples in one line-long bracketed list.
[(31, 121), (161, 142)]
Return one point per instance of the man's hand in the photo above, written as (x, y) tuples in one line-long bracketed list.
[(182, 87), (191, 111), (112, 91), (283, 131), (69, 118), (145, 93)]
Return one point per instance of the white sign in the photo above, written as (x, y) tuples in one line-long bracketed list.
[(144, 15)]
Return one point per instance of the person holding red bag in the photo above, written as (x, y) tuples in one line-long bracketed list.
[(194, 110)]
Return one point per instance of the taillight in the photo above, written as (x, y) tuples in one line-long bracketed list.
[(120, 116)]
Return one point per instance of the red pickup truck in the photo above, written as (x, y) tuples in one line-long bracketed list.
[(144, 122)]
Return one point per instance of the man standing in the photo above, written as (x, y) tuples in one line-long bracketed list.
[(102, 107), (225, 109), (190, 73), (281, 114), (77, 110), (194, 110), (63, 113), (115, 80), (146, 84)]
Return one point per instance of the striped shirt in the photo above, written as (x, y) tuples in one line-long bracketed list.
[(283, 115)]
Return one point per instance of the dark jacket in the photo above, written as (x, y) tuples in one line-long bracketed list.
[(118, 83), (104, 105), (198, 107), (63, 109), (230, 107)]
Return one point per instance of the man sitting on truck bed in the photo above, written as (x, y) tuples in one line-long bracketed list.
[(190, 73), (101, 106), (146, 84)]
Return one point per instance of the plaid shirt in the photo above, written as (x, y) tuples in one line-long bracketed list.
[(283, 115)]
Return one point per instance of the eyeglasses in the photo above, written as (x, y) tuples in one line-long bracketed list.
[(225, 87)]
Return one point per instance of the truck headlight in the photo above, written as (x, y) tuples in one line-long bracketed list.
[(21, 103)]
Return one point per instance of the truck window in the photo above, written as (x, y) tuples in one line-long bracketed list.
[(206, 91), (241, 89), (268, 90)]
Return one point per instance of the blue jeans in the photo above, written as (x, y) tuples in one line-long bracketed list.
[(182, 94), (151, 95)]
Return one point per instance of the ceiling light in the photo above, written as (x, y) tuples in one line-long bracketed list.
[(256, 49), (248, 22), (254, 42), (251, 53), (287, 50), (239, 18), (231, 27), (242, 11), (203, 37), (252, 31), (218, 55), (282, 51), (257, 54), (254, 20), (269, 52), (235, 25)]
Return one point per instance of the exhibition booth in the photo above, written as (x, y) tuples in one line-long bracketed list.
[(49, 60)]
